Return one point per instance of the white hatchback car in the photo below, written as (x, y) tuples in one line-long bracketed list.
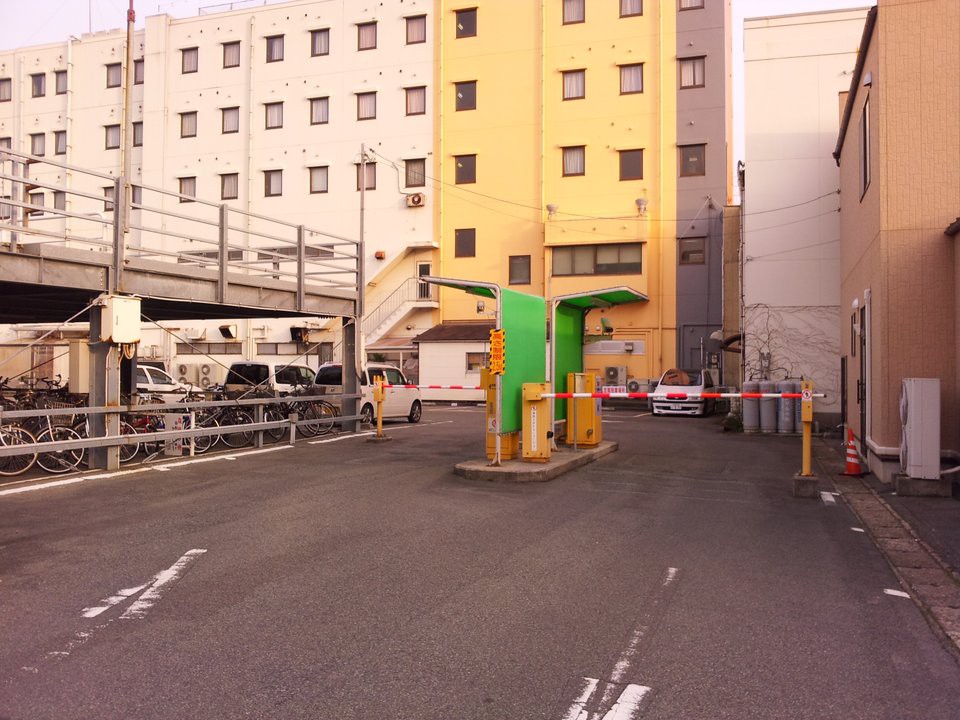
[(690, 382), (154, 381), (399, 403)]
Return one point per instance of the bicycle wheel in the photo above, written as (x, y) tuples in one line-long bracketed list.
[(326, 412), (128, 452), (15, 464), (240, 437), (274, 434), (59, 461), (202, 443), (307, 413)]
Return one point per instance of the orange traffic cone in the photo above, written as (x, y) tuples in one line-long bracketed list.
[(853, 460)]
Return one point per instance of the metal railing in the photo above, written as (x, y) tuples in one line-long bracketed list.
[(410, 290)]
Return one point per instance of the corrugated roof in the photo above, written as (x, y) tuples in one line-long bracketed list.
[(457, 331)]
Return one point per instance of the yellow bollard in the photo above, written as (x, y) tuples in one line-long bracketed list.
[(379, 394), (805, 483)]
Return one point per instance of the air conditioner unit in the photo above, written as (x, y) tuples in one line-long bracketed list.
[(187, 373), (634, 385), (615, 375), (920, 428), (416, 200)]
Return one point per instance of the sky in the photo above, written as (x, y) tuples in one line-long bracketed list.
[(55, 20)]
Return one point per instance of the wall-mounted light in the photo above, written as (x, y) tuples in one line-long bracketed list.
[(551, 211), (641, 204), (380, 255), (480, 306)]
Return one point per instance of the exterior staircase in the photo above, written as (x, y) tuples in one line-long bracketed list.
[(410, 295)]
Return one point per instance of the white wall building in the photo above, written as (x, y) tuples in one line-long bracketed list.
[(264, 110), (796, 68)]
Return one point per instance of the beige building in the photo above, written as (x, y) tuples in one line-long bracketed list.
[(899, 156)]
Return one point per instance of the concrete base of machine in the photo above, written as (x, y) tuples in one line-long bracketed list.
[(915, 487), (806, 486), (561, 461), (375, 439)]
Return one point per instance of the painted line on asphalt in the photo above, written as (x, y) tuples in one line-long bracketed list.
[(855, 529), (828, 498), (643, 414), (368, 433), (897, 593), (627, 706), (107, 603), (161, 580)]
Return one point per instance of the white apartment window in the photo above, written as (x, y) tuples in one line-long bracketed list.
[(320, 42), (416, 100), (691, 4), (231, 54), (188, 124), (138, 72), (273, 115), (229, 186), (114, 75), (272, 183), (629, 8), (319, 111), (38, 85), (371, 175), (466, 23), (108, 198), (59, 200), (693, 160), (416, 29), (415, 172), (60, 142), (319, 179), (631, 164), (138, 134), (367, 36), (466, 97), (229, 120), (692, 250), (573, 11), (274, 48), (574, 84), (111, 137), (519, 269), (865, 149), (189, 60), (6, 89), (188, 188), (692, 72), (366, 106), (60, 80), (38, 144), (631, 78), (574, 160)]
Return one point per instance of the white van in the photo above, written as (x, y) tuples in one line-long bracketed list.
[(399, 403), (277, 378)]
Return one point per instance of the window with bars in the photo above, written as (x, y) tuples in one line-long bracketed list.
[(692, 160), (415, 172), (320, 42), (111, 137), (465, 169), (574, 84), (573, 11), (465, 242), (6, 90), (229, 186), (466, 95), (138, 134), (188, 124), (138, 72), (319, 111), (188, 187), (692, 250), (367, 36), (519, 269), (416, 29), (630, 8), (229, 120), (38, 144), (272, 183), (609, 259), (38, 85), (231, 54), (274, 48), (189, 60), (631, 164), (574, 160), (371, 175), (416, 100), (60, 81), (114, 75), (273, 115), (60, 142), (466, 22), (366, 106), (692, 72), (631, 78), (319, 179)]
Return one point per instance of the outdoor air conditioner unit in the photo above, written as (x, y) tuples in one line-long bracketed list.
[(634, 385), (187, 373), (615, 375), (920, 428), (416, 200)]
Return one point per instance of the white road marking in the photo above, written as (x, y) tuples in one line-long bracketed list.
[(109, 602), (897, 593), (161, 580), (576, 710), (627, 706), (72, 481), (367, 433), (858, 529), (643, 414), (828, 498)]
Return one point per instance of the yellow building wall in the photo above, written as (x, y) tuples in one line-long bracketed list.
[(518, 131)]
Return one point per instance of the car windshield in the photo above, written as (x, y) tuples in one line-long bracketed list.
[(682, 378), (247, 375)]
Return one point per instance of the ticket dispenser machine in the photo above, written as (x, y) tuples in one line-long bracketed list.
[(536, 423), (583, 414), (509, 442)]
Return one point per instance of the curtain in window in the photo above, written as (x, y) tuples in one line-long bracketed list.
[(416, 101), (415, 173), (114, 75), (631, 78), (275, 48), (231, 120), (416, 30), (6, 88), (574, 84), (61, 79), (320, 42), (691, 72), (318, 179), (188, 186), (229, 186), (38, 144), (137, 72), (274, 115), (60, 141), (231, 54), (366, 106), (189, 61), (319, 110), (188, 124), (631, 7), (367, 36), (274, 182), (573, 11), (574, 160)]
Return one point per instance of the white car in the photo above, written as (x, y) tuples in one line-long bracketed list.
[(278, 378), (154, 381), (399, 403), (677, 381)]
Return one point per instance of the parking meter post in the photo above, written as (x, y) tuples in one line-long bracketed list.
[(293, 417), (378, 396), (805, 484)]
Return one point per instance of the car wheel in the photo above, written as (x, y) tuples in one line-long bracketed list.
[(416, 410), (366, 415)]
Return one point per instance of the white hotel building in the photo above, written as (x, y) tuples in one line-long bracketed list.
[(264, 110)]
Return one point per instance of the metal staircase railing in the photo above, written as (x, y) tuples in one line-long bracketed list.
[(410, 290)]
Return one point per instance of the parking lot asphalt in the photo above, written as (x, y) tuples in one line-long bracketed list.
[(676, 578)]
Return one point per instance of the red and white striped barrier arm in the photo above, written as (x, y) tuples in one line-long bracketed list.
[(438, 387), (677, 396)]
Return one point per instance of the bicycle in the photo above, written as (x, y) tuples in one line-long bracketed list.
[(12, 435)]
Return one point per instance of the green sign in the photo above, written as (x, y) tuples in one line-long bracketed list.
[(524, 320)]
